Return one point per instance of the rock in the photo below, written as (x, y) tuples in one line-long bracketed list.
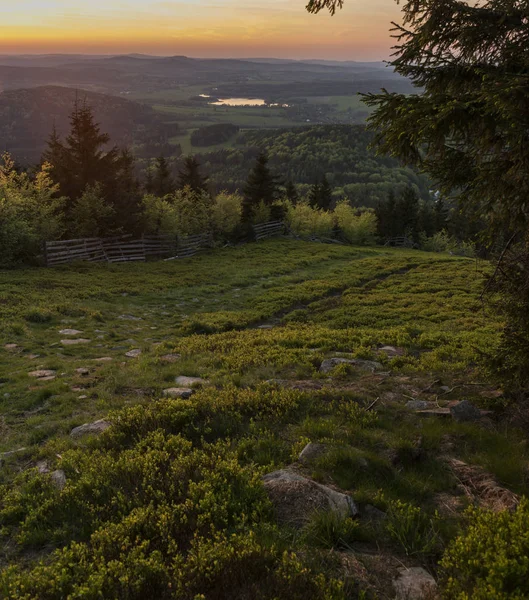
[(11, 347), (104, 359), (70, 332), (311, 452), (90, 428), (329, 363), (82, 397), (414, 584), (190, 381), (392, 351), (372, 513), (171, 358), (445, 388), (58, 478), (265, 327), (296, 498), (465, 411), (42, 467), (178, 392), (42, 374), (74, 342), (419, 404), (133, 353), (129, 318), (33, 356), (82, 371)]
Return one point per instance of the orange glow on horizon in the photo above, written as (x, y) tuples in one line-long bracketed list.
[(213, 28)]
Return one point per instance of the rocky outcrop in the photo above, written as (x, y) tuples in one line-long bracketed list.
[(297, 498)]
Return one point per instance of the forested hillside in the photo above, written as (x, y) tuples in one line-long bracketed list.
[(304, 155), (27, 117)]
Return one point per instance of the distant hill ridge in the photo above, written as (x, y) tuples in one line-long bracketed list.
[(28, 115)]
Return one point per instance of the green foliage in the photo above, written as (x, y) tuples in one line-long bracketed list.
[(159, 216), (261, 189), (358, 229), (90, 214), (192, 209), (443, 242), (305, 221), (190, 177), (490, 558), (29, 213), (417, 532), (226, 215), (329, 530), (213, 134)]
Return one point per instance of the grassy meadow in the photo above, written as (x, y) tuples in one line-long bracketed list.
[(168, 501)]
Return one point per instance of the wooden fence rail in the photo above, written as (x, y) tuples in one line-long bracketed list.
[(267, 230)]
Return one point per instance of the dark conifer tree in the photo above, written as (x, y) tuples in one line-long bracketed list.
[(162, 184), (315, 195), (262, 186), (190, 176), (325, 194), (291, 193)]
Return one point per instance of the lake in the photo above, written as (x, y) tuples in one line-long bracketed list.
[(239, 102)]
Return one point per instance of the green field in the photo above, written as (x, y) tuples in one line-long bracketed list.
[(168, 502)]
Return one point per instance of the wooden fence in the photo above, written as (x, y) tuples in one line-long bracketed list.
[(270, 229), (112, 250), (126, 249)]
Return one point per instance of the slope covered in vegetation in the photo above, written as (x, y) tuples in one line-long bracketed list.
[(168, 501)]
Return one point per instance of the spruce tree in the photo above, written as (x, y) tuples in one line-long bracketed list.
[(162, 182), (291, 193), (325, 194), (315, 195), (467, 128), (261, 187), (190, 176)]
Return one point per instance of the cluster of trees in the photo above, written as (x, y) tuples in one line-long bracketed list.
[(307, 155), (83, 188), (213, 134)]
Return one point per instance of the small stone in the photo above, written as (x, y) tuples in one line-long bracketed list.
[(178, 392), (190, 381), (42, 467), (70, 332), (129, 318), (372, 513), (414, 584), (419, 405), (49, 378), (133, 353), (330, 363), (11, 347), (103, 359), (82, 371), (171, 358), (445, 388), (75, 342), (33, 356), (58, 478), (265, 327), (90, 428), (392, 351), (311, 452), (83, 397), (42, 373), (465, 411)]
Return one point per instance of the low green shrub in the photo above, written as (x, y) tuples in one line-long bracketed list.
[(414, 530), (490, 560), (328, 530)]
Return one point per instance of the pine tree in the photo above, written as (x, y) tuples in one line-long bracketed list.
[(81, 160), (291, 193), (162, 183), (261, 187), (315, 195), (190, 176), (325, 194)]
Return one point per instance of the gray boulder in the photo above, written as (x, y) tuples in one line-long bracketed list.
[(90, 428), (419, 405), (296, 498), (373, 514), (311, 452), (58, 479), (465, 411), (414, 584)]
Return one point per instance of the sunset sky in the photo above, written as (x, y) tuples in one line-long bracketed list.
[(202, 28)]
